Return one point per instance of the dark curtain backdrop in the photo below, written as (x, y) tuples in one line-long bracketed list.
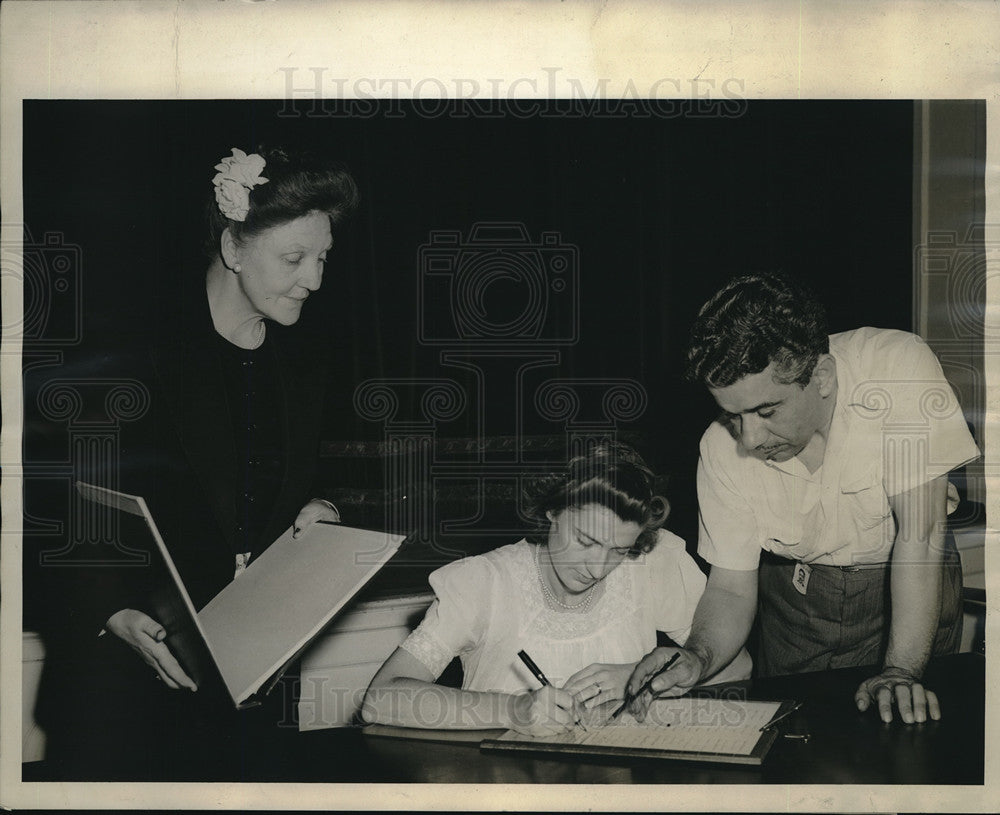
[(653, 212)]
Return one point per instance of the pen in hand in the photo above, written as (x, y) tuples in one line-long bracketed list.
[(535, 670), (631, 697), (542, 678)]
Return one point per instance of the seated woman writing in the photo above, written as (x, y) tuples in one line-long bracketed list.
[(584, 596)]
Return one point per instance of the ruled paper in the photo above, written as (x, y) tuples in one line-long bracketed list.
[(716, 726)]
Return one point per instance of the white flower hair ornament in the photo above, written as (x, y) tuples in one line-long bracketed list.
[(238, 174)]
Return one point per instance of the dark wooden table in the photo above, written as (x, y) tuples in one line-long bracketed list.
[(845, 746)]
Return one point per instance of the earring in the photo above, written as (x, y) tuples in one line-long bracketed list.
[(237, 268)]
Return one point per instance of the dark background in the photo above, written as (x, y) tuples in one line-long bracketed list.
[(661, 205)]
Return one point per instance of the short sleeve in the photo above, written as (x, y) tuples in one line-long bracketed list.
[(922, 430), (727, 527), (457, 619), (676, 585)]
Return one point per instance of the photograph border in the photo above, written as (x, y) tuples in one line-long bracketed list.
[(285, 49)]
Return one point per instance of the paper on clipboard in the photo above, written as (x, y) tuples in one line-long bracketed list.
[(687, 728)]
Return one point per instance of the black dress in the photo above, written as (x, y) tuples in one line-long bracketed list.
[(226, 458)]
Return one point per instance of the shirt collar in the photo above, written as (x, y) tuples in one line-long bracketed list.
[(838, 425)]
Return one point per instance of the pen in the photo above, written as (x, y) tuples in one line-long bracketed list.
[(784, 715), (629, 698), (537, 673), (535, 670)]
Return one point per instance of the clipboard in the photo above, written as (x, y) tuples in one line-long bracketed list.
[(239, 645), (688, 728), (472, 736)]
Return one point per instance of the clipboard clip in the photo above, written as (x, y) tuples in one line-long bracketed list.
[(782, 717)]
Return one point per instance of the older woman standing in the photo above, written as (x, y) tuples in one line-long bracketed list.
[(227, 457), (245, 405)]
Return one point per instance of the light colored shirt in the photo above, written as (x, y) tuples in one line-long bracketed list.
[(489, 607), (896, 425)]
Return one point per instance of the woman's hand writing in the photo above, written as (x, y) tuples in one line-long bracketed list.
[(146, 637), (599, 683), (547, 711)]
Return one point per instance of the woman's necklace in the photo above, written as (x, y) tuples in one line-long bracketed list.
[(259, 332), (584, 604)]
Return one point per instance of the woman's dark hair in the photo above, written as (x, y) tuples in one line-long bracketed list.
[(753, 321), (298, 182), (612, 475)]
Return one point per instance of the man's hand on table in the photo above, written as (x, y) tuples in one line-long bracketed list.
[(895, 686)]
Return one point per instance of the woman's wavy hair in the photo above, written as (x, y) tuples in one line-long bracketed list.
[(753, 321), (611, 474), (298, 182)]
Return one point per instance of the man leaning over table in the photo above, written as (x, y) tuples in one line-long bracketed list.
[(823, 492)]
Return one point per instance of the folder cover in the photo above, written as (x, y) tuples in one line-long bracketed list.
[(249, 632)]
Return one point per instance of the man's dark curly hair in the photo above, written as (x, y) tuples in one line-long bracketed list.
[(753, 321), (613, 475)]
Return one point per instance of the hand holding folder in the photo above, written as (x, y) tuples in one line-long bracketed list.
[(243, 639), (146, 636)]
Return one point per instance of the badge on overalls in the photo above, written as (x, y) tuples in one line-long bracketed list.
[(800, 577)]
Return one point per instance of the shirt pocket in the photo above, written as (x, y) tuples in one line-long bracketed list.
[(864, 504), (781, 536), (866, 523)]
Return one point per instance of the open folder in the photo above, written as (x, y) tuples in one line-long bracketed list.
[(252, 629)]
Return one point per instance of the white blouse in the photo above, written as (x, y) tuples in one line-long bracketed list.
[(896, 425), (489, 607)]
